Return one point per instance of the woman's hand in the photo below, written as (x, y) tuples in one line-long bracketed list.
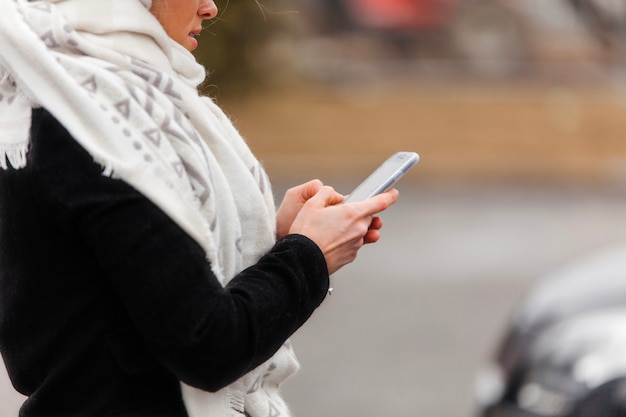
[(340, 230), (292, 203)]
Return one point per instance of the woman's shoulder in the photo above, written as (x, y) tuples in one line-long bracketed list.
[(44, 126), (63, 170), (54, 149)]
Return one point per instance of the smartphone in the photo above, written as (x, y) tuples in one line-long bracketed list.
[(384, 177)]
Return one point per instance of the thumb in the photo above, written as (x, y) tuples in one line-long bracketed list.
[(377, 203), (310, 188), (327, 196)]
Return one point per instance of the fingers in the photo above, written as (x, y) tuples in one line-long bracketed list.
[(340, 230), (292, 203), (372, 236), (376, 224), (373, 233)]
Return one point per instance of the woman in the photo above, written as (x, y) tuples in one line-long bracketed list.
[(143, 268)]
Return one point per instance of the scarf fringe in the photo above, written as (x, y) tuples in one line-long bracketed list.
[(13, 155), (107, 167)]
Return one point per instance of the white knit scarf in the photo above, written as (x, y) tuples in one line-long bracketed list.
[(128, 94)]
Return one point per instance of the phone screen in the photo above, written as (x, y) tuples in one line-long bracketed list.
[(385, 176)]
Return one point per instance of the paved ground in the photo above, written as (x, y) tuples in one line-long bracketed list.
[(410, 322)]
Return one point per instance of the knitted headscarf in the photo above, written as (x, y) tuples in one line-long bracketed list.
[(127, 93)]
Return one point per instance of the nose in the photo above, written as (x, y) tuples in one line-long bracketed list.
[(207, 9)]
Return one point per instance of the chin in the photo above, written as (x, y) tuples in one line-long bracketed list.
[(190, 44)]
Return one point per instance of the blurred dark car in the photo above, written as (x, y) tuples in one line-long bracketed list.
[(564, 353)]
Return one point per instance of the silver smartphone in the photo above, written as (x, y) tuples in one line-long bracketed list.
[(384, 177)]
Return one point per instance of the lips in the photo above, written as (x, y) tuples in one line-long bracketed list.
[(192, 37)]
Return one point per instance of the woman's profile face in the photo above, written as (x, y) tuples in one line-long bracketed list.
[(182, 19)]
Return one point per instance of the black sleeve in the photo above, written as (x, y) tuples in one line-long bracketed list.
[(207, 335)]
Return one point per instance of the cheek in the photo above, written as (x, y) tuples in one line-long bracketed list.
[(177, 19), (174, 27), (182, 22)]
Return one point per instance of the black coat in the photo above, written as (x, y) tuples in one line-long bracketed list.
[(105, 303)]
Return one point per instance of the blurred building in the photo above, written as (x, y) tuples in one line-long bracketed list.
[(480, 37)]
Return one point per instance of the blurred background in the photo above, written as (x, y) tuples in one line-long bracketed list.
[(517, 108), (487, 90)]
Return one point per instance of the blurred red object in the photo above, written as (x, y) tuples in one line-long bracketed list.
[(407, 15)]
